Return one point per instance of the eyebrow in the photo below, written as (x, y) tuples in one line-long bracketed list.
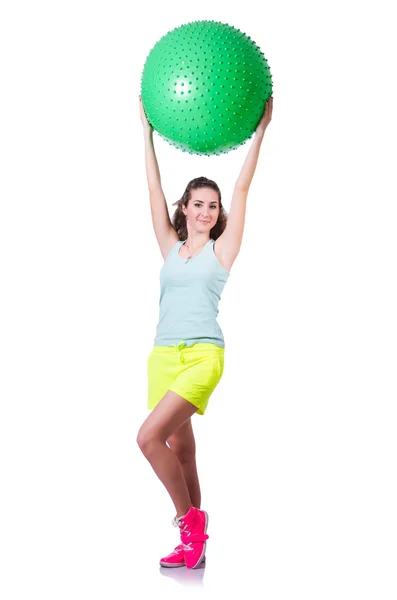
[(212, 202)]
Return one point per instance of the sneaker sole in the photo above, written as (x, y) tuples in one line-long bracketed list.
[(172, 566)]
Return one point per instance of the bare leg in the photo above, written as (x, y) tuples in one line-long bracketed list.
[(183, 445), (166, 418)]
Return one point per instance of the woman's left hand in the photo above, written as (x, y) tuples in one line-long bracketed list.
[(266, 117)]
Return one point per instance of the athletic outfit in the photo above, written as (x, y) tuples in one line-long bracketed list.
[(188, 358), (188, 352)]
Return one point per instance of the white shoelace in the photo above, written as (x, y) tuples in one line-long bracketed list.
[(185, 548), (178, 522)]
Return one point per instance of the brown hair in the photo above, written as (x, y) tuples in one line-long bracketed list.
[(179, 219)]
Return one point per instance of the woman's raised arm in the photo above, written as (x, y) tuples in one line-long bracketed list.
[(247, 172), (163, 229), (229, 243)]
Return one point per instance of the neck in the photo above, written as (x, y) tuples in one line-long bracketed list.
[(194, 242), (194, 247)]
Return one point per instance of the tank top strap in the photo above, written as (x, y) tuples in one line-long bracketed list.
[(208, 247), (176, 246)]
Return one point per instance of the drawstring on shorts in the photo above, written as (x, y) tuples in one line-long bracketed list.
[(179, 347)]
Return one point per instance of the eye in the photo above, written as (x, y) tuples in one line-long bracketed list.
[(199, 205)]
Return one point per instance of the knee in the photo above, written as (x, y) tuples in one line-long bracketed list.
[(144, 440)]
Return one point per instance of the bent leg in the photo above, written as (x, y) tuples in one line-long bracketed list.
[(183, 445), (167, 417)]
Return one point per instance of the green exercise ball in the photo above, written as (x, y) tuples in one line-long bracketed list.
[(204, 87)]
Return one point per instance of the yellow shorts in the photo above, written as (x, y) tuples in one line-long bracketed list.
[(193, 372)]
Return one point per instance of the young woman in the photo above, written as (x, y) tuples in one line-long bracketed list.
[(199, 248)]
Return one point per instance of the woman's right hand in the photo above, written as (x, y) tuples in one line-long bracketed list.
[(145, 122)]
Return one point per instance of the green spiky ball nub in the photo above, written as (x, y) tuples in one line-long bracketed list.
[(205, 86)]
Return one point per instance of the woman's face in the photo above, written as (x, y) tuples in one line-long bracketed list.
[(202, 211)]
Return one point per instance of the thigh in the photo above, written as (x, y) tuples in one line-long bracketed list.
[(182, 441), (168, 416)]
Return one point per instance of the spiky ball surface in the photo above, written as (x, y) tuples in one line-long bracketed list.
[(204, 87)]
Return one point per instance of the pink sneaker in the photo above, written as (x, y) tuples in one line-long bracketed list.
[(176, 558), (193, 528)]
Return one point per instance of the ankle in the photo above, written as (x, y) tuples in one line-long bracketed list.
[(180, 514)]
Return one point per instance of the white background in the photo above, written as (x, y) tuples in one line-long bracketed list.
[(296, 452)]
